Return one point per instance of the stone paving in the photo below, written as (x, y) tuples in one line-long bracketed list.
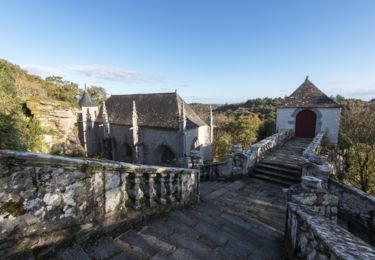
[(235, 220)]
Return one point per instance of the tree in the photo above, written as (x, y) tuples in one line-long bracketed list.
[(357, 137), (98, 94), (62, 90), (246, 129)]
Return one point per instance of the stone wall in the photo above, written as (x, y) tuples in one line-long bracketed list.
[(311, 229), (47, 199), (356, 210), (311, 236)]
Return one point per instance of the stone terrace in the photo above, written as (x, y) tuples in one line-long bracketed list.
[(235, 220)]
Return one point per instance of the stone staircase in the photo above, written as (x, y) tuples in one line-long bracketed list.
[(283, 165)]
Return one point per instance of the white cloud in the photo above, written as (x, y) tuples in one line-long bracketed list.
[(365, 92), (42, 71), (110, 73)]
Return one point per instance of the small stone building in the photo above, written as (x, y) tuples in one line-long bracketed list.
[(309, 111), (159, 129)]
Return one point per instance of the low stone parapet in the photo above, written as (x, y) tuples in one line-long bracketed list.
[(356, 210), (45, 199), (311, 236)]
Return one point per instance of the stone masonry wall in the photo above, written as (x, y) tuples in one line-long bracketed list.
[(46, 199), (311, 236), (356, 210)]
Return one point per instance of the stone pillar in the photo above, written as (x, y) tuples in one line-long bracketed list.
[(136, 194), (311, 195), (161, 191), (150, 191)]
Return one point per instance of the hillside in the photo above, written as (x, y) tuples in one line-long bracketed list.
[(36, 114)]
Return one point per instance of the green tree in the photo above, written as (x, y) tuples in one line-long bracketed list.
[(98, 94), (357, 138), (245, 129), (62, 90)]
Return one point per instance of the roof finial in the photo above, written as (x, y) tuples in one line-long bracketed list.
[(85, 87), (307, 78), (175, 90)]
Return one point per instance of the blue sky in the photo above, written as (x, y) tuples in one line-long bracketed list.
[(211, 51)]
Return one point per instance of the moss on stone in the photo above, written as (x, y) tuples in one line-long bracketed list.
[(14, 208)]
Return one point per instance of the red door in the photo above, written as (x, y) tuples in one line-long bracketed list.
[(305, 124)]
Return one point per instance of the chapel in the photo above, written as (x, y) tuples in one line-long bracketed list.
[(309, 111), (157, 128)]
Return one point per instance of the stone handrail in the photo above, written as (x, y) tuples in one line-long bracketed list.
[(258, 150), (314, 164), (239, 163), (47, 198), (356, 210), (311, 236)]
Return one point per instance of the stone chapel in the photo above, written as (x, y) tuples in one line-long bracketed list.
[(309, 111), (158, 129)]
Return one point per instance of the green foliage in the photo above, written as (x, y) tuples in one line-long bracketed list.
[(357, 139), (241, 128), (60, 89), (18, 128), (98, 94)]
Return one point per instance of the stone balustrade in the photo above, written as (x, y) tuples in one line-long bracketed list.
[(240, 162), (315, 164), (45, 199)]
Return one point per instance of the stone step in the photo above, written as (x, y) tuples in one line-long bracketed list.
[(134, 246), (280, 168), (277, 175), (282, 163), (73, 252), (266, 178)]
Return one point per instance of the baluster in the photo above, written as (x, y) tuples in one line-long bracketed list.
[(136, 193), (184, 188), (161, 190), (124, 176), (177, 187), (150, 191), (170, 187)]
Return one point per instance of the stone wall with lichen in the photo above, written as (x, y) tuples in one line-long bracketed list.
[(356, 210), (46, 199), (310, 236)]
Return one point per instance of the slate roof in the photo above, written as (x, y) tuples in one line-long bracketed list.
[(86, 100), (160, 110), (309, 96)]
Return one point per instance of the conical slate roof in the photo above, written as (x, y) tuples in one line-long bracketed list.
[(309, 96), (160, 110), (86, 100)]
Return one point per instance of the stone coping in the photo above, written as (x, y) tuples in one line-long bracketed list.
[(341, 243), (353, 190), (45, 159)]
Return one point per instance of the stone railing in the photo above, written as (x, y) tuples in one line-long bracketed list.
[(356, 210), (47, 199), (315, 164), (310, 236), (312, 231), (241, 162)]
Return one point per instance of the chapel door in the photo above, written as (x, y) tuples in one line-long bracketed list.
[(305, 124)]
